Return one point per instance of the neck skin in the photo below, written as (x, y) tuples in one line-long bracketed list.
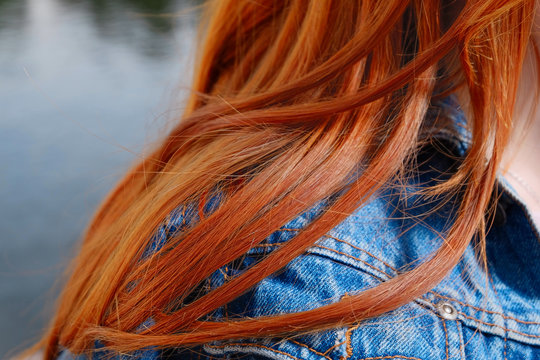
[(521, 162)]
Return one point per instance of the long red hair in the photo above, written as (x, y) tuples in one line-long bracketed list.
[(290, 99)]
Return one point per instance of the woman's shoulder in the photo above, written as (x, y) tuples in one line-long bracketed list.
[(370, 246), (471, 313)]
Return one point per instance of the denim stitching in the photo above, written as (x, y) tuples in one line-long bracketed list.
[(306, 346), (445, 337), (363, 250), (331, 348), (391, 357), (291, 340), (348, 347), (254, 345), (461, 341), (442, 296), (505, 338), (295, 358), (382, 271), (468, 317), (433, 292), (351, 245), (485, 310), (499, 326), (354, 258)]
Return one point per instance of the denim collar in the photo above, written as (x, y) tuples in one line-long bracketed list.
[(447, 121), (505, 300)]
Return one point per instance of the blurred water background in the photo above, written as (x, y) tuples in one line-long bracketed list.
[(84, 87)]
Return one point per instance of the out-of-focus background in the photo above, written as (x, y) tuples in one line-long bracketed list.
[(84, 86)]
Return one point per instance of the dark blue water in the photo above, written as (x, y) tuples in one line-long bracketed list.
[(84, 87)]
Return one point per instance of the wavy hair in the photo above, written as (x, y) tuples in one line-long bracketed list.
[(291, 100)]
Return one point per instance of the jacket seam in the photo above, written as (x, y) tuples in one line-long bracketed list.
[(445, 337), (308, 347), (352, 257), (463, 314), (461, 341), (253, 345), (391, 357), (495, 325), (431, 291), (247, 345), (485, 310)]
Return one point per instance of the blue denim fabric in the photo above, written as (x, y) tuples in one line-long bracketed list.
[(471, 314)]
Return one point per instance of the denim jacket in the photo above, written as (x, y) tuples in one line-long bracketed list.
[(471, 314)]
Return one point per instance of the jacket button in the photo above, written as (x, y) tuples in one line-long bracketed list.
[(447, 311)]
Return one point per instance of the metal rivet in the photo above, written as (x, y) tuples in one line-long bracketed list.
[(447, 311)]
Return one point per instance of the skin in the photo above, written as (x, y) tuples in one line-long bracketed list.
[(521, 163)]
